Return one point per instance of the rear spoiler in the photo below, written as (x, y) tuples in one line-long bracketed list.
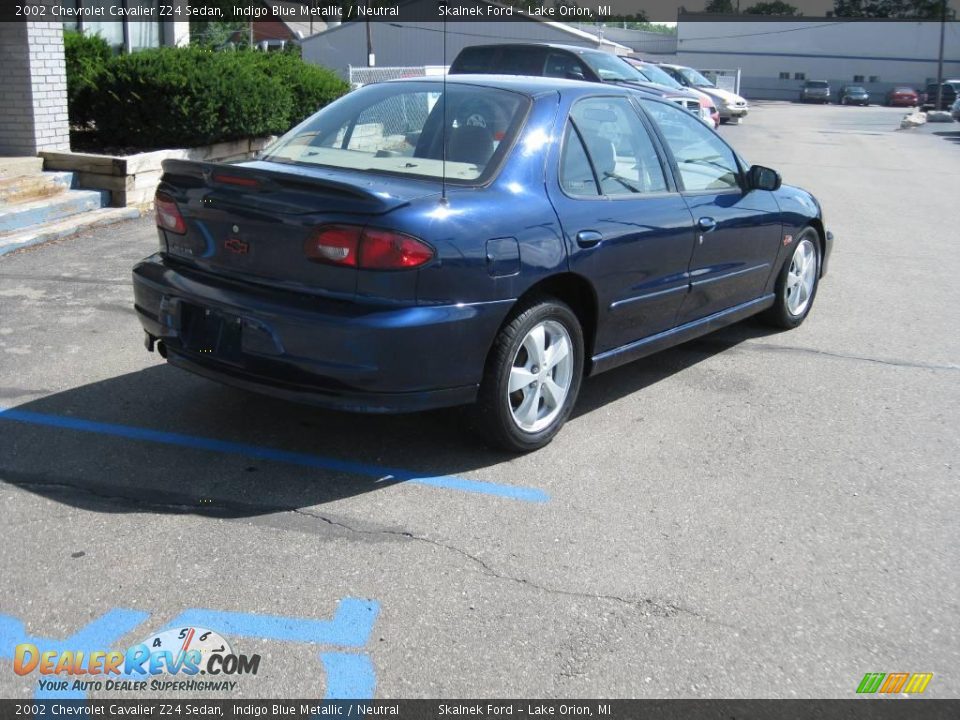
[(267, 181)]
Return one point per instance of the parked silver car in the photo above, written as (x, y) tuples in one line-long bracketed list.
[(955, 109)]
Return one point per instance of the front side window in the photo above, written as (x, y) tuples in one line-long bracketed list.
[(621, 152), (411, 128), (563, 65), (695, 79), (704, 160), (611, 68)]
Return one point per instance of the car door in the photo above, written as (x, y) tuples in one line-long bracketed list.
[(627, 228), (738, 231)]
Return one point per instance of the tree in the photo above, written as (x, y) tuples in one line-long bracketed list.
[(773, 7), (905, 9), (720, 7)]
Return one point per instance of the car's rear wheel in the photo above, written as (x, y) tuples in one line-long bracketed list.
[(533, 376), (797, 283)]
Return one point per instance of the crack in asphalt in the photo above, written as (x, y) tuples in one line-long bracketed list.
[(848, 356), (652, 607), (648, 606)]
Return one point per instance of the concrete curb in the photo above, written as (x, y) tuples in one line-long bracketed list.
[(61, 229)]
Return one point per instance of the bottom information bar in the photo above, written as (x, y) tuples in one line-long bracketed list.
[(867, 709)]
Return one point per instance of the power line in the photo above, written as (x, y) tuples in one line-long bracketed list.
[(769, 32)]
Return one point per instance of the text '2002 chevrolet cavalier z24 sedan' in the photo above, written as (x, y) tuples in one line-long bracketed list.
[(489, 240)]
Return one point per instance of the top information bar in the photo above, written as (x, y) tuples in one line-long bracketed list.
[(389, 11)]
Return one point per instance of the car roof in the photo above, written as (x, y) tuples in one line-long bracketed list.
[(578, 49), (525, 84)]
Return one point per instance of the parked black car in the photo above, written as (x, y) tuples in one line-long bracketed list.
[(815, 91), (951, 89), (564, 61), (854, 95)]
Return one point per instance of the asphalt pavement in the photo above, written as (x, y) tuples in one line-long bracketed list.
[(753, 514)]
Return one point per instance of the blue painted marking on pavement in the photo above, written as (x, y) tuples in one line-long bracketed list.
[(100, 634), (448, 482), (350, 627), (349, 677)]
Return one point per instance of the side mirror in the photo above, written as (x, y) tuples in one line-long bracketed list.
[(763, 178)]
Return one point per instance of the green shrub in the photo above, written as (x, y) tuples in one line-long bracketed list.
[(86, 57), (183, 97), (311, 87)]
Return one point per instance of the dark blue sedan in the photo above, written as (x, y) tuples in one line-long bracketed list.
[(490, 240)]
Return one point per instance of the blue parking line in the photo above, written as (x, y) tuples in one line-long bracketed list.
[(349, 677), (448, 482)]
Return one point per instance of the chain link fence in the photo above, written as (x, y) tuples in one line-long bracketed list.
[(724, 79), (360, 76)]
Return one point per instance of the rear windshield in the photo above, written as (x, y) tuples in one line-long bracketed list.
[(409, 128), (817, 84)]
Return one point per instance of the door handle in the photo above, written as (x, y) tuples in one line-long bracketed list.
[(706, 224), (588, 238)]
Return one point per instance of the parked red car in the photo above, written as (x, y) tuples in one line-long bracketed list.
[(903, 97)]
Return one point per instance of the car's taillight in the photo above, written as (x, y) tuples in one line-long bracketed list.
[(168, 214), (386, 250), (334, 244), (367, 249)]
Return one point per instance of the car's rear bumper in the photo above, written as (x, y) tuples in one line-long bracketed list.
[(346, 355)]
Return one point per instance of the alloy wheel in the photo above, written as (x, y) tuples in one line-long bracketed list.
[(540, 376), (801, 277)]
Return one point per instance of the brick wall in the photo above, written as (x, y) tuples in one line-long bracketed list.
[(33, 90)]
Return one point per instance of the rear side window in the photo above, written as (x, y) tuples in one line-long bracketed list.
[(474, 60), (704, 160), (519, 60), (576, 175), (622, 154)]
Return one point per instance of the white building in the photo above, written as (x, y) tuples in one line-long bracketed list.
[(775, 57)]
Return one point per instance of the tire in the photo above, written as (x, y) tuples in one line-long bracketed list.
[(529, 417), (797, 284)]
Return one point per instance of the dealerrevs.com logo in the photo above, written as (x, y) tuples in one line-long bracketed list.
[(182, 653)]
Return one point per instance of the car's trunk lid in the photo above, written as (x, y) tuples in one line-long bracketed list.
[(250, 221)]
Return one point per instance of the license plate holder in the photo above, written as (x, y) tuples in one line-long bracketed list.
[(211, 333)]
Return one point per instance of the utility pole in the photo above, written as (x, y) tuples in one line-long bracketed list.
[(943, 26), (371, 58)]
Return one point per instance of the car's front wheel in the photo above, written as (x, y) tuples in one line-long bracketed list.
[(797, 283), (532, 377)]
